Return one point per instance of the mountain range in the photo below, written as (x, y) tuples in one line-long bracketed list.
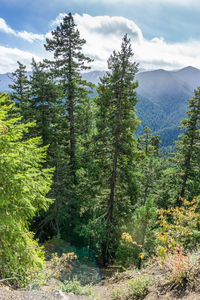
[(162, 98)]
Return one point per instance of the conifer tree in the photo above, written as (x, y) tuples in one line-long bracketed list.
[(68, 62), (150, 165), (115, 143), (47, 109), (46, 104), (24, 184), (188, 156), (182, 177), (21, 91)]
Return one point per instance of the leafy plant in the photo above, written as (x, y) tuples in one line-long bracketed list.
[(74, 286), (139, 245), (179, 265), (117, 294), (24, 184), (179, 225), (138, 286)]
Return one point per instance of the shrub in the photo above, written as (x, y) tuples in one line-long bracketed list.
[(178, 233), (138, 287), (139, 245), (117, 294), (74, 286), (179, 265), (179, 225)]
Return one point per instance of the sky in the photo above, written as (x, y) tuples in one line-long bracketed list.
[(164, 33)]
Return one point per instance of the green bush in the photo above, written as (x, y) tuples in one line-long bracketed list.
[(138, 287), (74, 286), (117, 294)]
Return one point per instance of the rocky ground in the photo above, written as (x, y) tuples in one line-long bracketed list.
[(9, 294), (158, 289)]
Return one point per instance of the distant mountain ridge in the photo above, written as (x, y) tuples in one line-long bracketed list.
[(163, 98)]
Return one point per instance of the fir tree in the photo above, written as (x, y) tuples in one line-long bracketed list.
[(188, 155), (46, 104), (116, 145), (149, 166), (182, 177), (69, 61), (47, 109), (21, 91)]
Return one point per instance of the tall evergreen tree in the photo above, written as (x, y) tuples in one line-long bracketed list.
[(46, 104), (21, 91), (115, 143), (149, 166), (189, 150), (47, 109), (68, 62), (182, 177)]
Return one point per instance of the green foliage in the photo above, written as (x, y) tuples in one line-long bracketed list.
[(106, 182), (74, 286), (138, 246), (115, 148), (24, 185), (21, 92), (74, 133), (117, 293), (182, 178), (189, 149), (179, 225), (137, 287)]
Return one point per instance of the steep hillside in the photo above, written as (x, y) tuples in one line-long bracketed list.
[(163, 101)]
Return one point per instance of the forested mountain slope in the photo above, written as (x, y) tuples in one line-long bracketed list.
[(163, 97)]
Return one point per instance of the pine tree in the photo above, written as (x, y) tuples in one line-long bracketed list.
[(21, 91), (47, 109), (189, 150), (115, 143), (46, 104), (69, 61), (150, 165), (182, 177)]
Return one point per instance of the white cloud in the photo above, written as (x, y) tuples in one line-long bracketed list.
[(5, 28), (157, 53), (28, 36), (103, 35), (10, 56)]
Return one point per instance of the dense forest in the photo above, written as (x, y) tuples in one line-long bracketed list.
[(72, 168)]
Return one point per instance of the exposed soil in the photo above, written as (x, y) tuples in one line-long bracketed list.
[(10, 294), (159, 289)]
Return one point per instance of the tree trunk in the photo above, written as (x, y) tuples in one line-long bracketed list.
[(71, 99), (187, 163)]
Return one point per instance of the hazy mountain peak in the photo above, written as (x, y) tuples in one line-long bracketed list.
[(188, 69)]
